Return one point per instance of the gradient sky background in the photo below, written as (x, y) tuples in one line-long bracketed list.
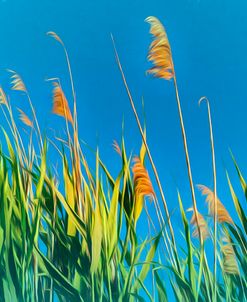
[(209, 43)]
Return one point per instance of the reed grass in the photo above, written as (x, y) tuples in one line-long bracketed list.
[(73, 234)]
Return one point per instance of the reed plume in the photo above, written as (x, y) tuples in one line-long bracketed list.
[(17, 82), (202, 227), (55, 36), (24, 118), (222, 213), (117, 148), (142, 186), (230, 265), (18, 85), (3, 98), (160, 51), (60, 103)]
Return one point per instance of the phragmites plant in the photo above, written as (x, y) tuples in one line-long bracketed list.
[(72, 233)]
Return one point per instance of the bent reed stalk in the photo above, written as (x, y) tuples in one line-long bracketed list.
[(149, 155), (215, 191)]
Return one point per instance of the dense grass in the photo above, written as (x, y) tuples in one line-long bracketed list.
[(72, 235)]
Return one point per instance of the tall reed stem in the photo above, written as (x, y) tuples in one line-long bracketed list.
[(187, 158), (215, 195), (76, 151), (148, 150)]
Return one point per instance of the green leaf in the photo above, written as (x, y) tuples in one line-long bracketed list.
[(162, 295), (62, 282), (150, 255), (237, 205), (191, 268), (112, 218)]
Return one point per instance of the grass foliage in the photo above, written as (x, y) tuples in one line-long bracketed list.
[(73, 235)]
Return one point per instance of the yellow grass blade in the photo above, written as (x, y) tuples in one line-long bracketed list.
[(143, 150), (97, 235), (70, 198)]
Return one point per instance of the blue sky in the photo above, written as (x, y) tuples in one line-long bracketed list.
[(208, 40)]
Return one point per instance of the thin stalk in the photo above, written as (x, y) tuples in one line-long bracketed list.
[(19, 144), (202, 254), (187, 158), (53, 237), (215, 195), (67, 125), (76, 160), (162, 223), (92, 287), (76, 141), (35, 119), (72, 85), (147, 147)]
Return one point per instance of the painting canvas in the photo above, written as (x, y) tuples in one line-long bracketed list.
[(123, 150)]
